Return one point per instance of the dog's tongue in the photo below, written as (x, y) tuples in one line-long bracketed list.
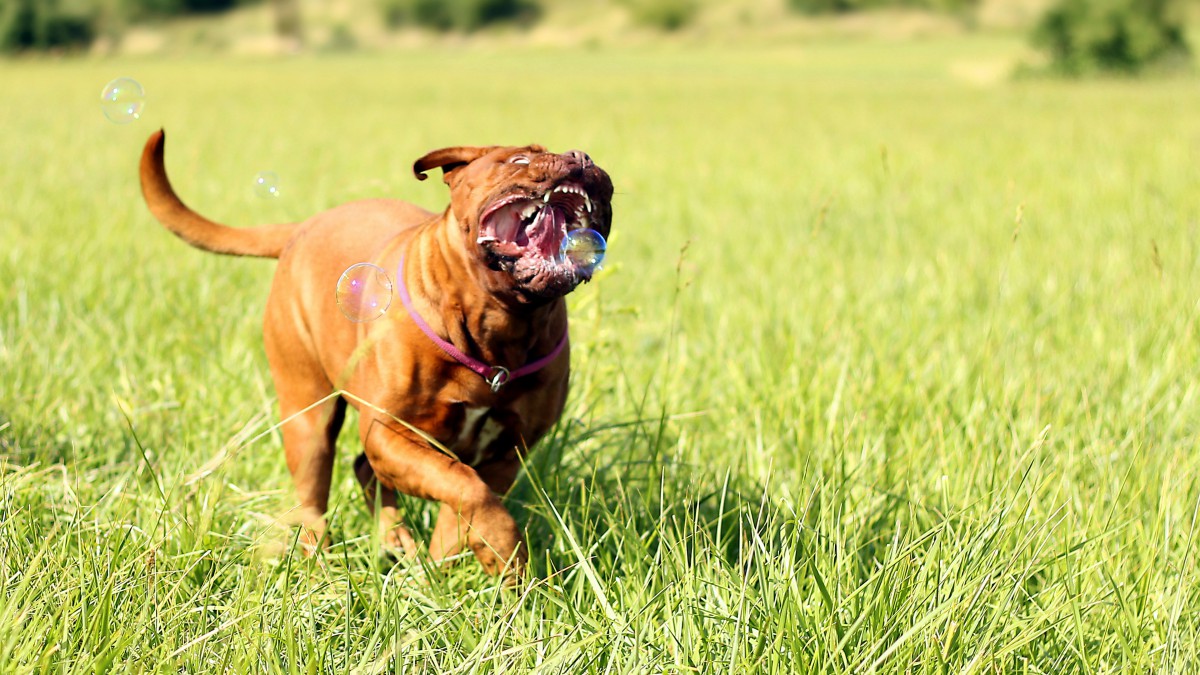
[(547, 230)]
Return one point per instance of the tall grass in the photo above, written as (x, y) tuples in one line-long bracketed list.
[(887, 372)]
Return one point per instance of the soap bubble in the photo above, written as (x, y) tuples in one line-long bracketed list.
[(584, 248), (266, 184), (122, 100), (364, 292)]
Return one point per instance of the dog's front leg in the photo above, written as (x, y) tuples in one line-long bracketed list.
[(471, 512), (310, 441)]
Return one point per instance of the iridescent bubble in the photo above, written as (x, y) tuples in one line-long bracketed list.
[(584, 248), (364, 292), (122, 100), (266, 184)]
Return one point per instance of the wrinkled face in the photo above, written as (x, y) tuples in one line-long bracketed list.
[(517, 206)]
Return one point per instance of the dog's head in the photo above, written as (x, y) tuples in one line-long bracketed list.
[(516, 206)]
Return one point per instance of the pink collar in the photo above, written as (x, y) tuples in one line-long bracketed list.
[(496, 376)]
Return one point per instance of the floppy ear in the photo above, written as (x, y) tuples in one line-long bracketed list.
[(449, 159)]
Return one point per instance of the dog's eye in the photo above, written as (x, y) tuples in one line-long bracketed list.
[(518, 159)]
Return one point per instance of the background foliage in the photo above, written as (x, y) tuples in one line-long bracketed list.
[(458, 15), (1126, 36), (46, 24), (75, 24), (359, 22), (827, 6), (666, 15)]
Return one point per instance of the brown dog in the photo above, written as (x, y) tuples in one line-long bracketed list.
[(485, 277)]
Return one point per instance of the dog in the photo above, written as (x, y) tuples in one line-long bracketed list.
[(453, 383)]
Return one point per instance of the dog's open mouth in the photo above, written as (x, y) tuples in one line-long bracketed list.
[(523, 234)]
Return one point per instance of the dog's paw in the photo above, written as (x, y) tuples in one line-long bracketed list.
[(398, 542), (506, 557)]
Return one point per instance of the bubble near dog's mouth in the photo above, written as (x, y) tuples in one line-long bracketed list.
[(523, 235)]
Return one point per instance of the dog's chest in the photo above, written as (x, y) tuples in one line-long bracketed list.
[(478, 430)]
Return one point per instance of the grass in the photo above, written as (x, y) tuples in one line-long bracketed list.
[(890, 371)]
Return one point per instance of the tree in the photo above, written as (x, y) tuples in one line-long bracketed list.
[(287, 22), (45, 24), (1121, 36)]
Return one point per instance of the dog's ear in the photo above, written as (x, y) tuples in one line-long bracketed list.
[(449, 159)]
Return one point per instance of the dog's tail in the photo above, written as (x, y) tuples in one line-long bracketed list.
[(264, 241)]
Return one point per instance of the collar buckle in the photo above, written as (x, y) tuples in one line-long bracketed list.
[(500, 377)]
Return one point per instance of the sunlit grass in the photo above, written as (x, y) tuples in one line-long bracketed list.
[(887, 370)]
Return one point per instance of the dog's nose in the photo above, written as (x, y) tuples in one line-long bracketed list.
[(581, 158)]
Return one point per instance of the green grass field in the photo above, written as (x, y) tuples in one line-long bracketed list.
[(890, 370)]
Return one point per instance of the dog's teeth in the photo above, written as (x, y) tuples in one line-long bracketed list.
[(484, 240), (587, 201), (546, 198)]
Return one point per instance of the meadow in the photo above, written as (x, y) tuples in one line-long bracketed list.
[(892, 368)]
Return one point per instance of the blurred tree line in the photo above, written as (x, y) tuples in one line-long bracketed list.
[(1080, 36), (74, 24), (458, 15), (1116, 36), (844, 6)]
